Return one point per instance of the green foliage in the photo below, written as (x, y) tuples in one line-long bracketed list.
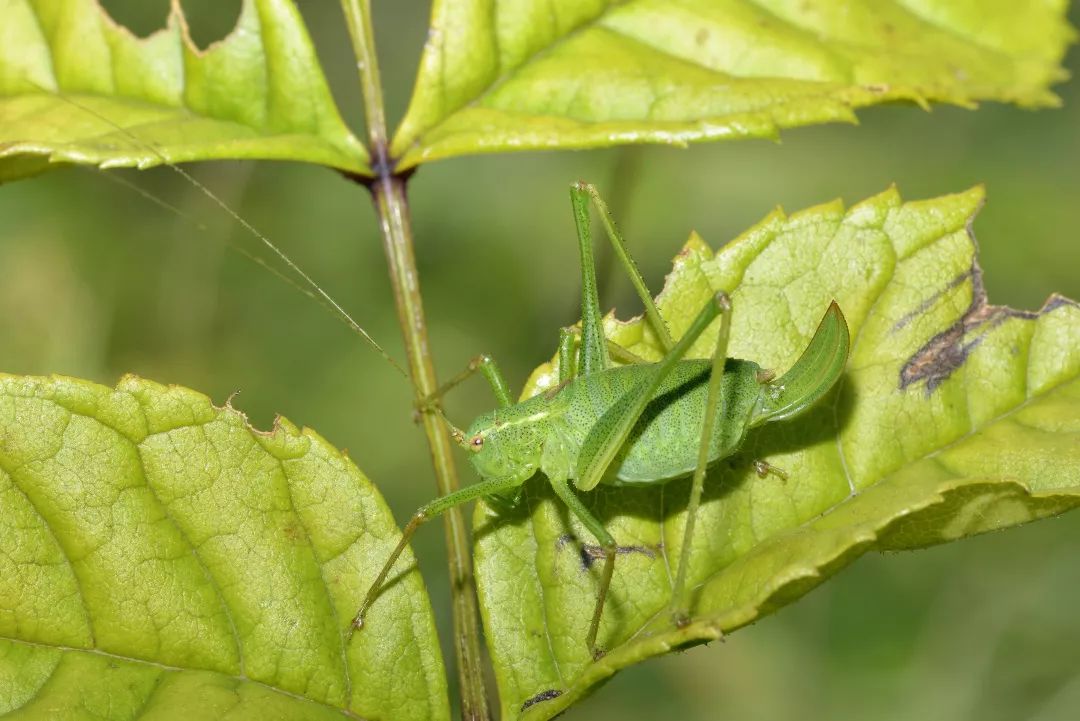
[(498, 76), (76, 87), (161, 558), (157, 556), (955, 417)]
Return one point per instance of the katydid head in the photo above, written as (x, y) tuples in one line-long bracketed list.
[(812, 375), (507, 442)]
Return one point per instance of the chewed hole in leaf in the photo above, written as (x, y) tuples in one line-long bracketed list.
[(142, 17), (133, 89), (209, 21)]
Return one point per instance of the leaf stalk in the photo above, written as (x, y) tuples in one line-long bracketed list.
[(389, 194)]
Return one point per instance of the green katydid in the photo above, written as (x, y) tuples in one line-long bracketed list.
[(636, 424)]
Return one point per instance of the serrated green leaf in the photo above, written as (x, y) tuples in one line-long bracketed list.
[(159, 558), (954, 417), (499, 75), (75, 87)]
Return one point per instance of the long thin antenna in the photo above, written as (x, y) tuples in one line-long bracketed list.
[(313, 289), (156, 200), (258, 260)]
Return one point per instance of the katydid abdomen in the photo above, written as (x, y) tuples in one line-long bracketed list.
[(664, 442)]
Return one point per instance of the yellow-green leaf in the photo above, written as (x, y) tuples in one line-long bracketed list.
[(76, 87), (499, 75), (954, 417), (159, 558)]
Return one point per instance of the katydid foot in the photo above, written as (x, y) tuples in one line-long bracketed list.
[(764, 468)]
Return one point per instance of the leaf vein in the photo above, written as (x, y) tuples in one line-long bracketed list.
[(56, 537), (343, 638), (211, 579), (158, 682), (49, 45)]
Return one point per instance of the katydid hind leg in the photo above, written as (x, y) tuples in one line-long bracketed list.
[(618, 243), (713, 403), (609, 434), (593, 355), (606, 438)]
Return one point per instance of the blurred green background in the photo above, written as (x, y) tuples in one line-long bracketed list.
[(100, 281)]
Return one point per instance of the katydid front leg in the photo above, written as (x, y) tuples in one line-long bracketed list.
[(488, 487), (484, 363), (487, 366), (424, 514), (581, 194)]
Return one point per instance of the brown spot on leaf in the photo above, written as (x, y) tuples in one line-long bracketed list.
[(542, 696), (701, 36), (590, 553), (946, 352), (929, 302)]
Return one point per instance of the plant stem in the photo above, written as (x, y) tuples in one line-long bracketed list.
[(391, 203), (393, 209)]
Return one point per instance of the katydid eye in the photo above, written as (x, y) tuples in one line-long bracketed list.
[(476, 443)]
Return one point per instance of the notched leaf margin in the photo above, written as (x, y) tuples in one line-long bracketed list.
[(331, 143)]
